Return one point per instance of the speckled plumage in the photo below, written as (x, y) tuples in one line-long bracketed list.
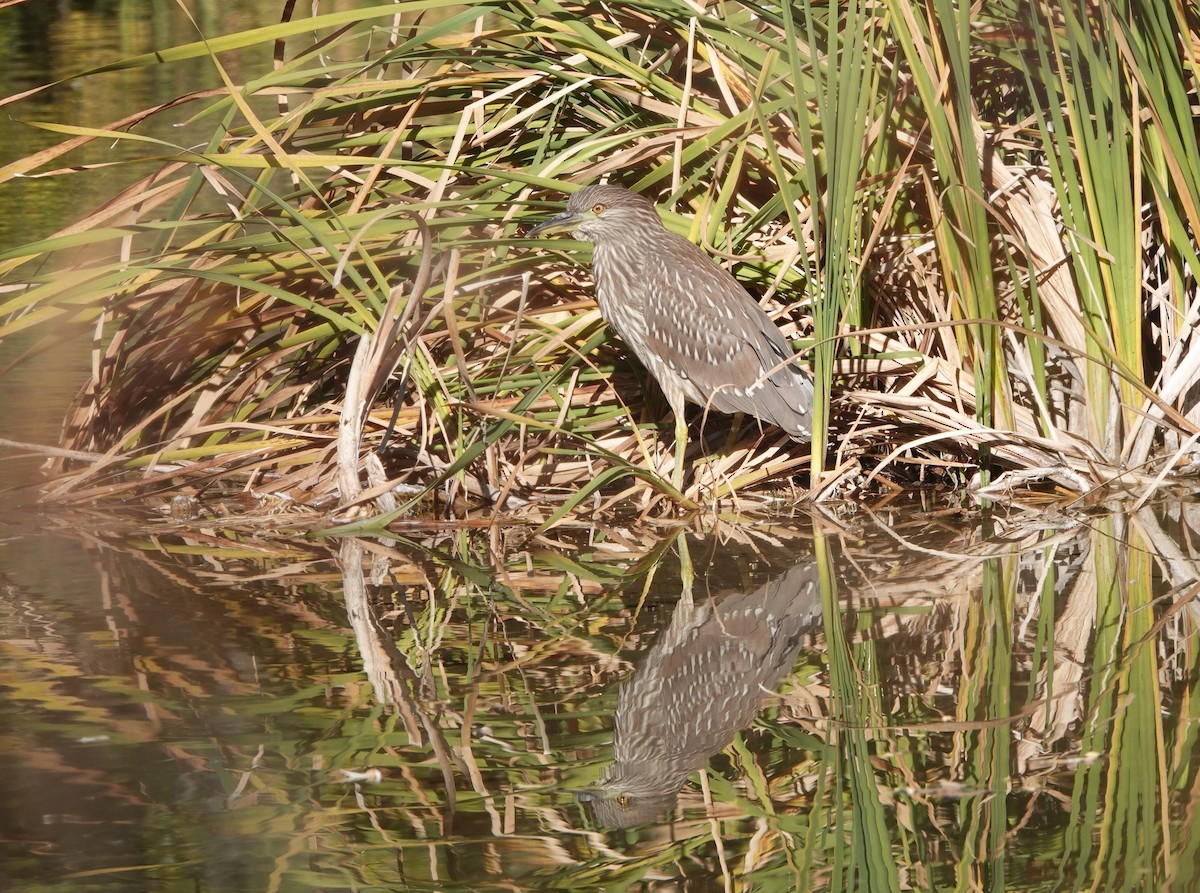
[(703, 680), (700, 334)]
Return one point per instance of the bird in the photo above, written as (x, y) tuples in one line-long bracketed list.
[(703, 680), (693, 326)]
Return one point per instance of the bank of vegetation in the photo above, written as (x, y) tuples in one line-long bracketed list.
[(976, 224)]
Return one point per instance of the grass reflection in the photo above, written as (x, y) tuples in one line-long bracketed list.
[(923, 709)]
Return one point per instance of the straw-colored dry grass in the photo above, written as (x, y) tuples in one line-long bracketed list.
[(992, 289)]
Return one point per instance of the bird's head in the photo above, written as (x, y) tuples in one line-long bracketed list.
[(603, 213)]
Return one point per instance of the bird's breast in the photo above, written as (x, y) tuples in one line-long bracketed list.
[(619, 272)]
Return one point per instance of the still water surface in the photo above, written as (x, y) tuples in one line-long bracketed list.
[(926, 706), (51, 42)]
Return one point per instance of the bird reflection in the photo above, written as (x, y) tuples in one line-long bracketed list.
[(698, 686)]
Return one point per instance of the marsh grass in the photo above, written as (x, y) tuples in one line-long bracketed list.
[(977, 229)]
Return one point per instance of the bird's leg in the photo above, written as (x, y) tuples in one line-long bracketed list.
[(735, 430), (681, 439), (740, 420), (687, 572)]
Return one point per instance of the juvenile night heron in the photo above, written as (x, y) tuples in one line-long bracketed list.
[(688, 321)]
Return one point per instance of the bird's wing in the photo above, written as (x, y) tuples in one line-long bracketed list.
[(708, 330)]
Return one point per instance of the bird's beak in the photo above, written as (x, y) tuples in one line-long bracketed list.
[(560, 223)]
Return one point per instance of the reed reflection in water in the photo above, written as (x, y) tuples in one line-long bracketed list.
[(926, 700)]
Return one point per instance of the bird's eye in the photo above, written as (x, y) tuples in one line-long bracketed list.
[(598, 209)]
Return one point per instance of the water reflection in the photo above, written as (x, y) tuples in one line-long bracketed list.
[(49, 41), (701, 683), (933, 704)]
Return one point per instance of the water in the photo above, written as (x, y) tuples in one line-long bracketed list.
[(49, 43), (184, 709)]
